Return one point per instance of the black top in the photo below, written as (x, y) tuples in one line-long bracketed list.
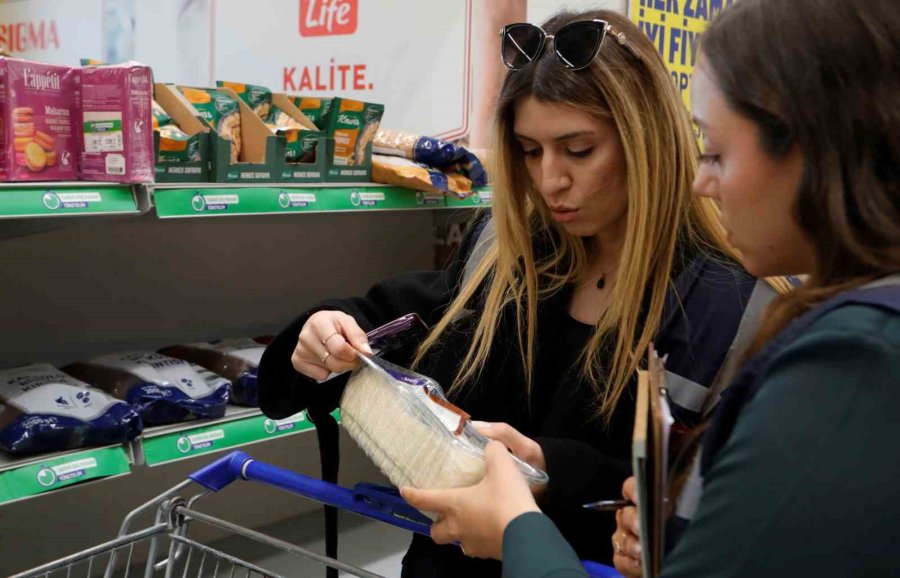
[(586, 459)]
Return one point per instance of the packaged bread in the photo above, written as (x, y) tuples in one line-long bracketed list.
[(432, 152), (164, 389), (234, 359), (43, 409)]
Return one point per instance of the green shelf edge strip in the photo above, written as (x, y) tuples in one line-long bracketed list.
[(63, 201), (54, 473), (185, 444)]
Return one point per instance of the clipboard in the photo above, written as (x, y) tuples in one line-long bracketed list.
[(650, 451)]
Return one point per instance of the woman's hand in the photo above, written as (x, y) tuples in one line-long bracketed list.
[(477, 516), (523, 447), (626, 540), (328, 343)]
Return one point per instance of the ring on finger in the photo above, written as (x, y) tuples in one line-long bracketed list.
[(617, 546), (325, 341), (464, 551), (326, 356)]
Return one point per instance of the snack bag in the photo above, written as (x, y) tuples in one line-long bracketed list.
[(43, 410), (353, 125), (316, 109), (417, 176), (164, 389), (160, 117), (258, 98), (432, 152), (234, 359), (175, 146), (222, 112), (296, 149), (40, 121)]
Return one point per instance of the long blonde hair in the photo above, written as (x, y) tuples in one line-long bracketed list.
[(629, 86)]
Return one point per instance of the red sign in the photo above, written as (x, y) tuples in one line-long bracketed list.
[(328, 17), (26, 36)]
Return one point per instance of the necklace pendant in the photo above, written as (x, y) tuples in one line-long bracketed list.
[(601, 282)]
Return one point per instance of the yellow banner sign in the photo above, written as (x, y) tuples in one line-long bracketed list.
[(674, 27)]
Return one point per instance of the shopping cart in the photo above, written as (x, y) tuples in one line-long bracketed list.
[(186, 557)]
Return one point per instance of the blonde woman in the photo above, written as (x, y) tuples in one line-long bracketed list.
[(594, 248)]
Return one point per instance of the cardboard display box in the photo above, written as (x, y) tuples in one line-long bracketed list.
[(185, 116)]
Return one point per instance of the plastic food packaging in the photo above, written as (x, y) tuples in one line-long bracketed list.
[(163, 388), (404, 423), (234, 359), (43, 410)]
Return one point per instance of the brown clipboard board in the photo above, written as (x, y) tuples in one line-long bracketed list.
[(650, 449)]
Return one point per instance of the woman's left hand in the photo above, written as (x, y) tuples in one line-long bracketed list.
[(523, 447), (477, 516)]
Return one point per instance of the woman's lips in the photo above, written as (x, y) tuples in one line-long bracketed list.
[(564, 214)]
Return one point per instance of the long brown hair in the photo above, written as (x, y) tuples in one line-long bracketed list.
[(629, 86), (823, 75)]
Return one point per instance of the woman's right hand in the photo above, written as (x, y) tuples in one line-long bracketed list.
[(328, 343), (626, 540)]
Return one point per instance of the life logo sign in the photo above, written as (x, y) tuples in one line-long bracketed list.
[(328, 17)]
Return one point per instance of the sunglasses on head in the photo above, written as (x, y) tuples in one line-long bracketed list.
[(576, 44)]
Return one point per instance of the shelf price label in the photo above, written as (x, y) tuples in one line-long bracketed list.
[(44, 476), (202, 440), (39, 202)]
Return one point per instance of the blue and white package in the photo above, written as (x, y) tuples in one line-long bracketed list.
[(43, 410), (164, 389), (433, 152), (233, 359)]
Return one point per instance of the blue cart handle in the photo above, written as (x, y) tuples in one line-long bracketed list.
[(375, 502)]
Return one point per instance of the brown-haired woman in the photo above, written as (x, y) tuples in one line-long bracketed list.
[(798, 105), (595, 248)]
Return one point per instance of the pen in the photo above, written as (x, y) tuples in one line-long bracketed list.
[(608, 505)]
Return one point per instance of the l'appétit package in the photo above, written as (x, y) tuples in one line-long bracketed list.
[(234, 359), (117, 123), (40, 118), (163, 388), (42, 410)]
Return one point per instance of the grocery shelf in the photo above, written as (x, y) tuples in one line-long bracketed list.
[(216, 199), (33, 475), (481, 198), (69, 199), (239, 427)]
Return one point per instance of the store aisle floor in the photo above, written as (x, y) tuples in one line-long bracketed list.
[(375, 546)]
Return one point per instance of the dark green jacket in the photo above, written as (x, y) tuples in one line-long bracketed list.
[(808, 483)]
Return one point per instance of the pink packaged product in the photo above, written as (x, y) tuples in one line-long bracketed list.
[(39, 115), (117, 129)]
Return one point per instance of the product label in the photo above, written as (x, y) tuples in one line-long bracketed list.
[(166, 372), (103, 132), (43, 389)]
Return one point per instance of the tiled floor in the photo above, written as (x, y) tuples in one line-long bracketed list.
[(374, 546)]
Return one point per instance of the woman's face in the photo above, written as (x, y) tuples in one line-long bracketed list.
[(755, 191), (577, 165)]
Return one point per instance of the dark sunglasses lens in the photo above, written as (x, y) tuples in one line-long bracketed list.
[(521, 45), (577, 44)]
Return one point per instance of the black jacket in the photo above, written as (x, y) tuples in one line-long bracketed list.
[(586, 459)]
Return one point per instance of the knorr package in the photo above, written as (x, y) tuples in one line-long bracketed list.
[(43, 410), (234, 359), (160, 116), (258, 98), (222, 112), (315, 109), (175, 146), (432, 152), (163, 388), (353, 125), (297, 150), (417, 176)]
